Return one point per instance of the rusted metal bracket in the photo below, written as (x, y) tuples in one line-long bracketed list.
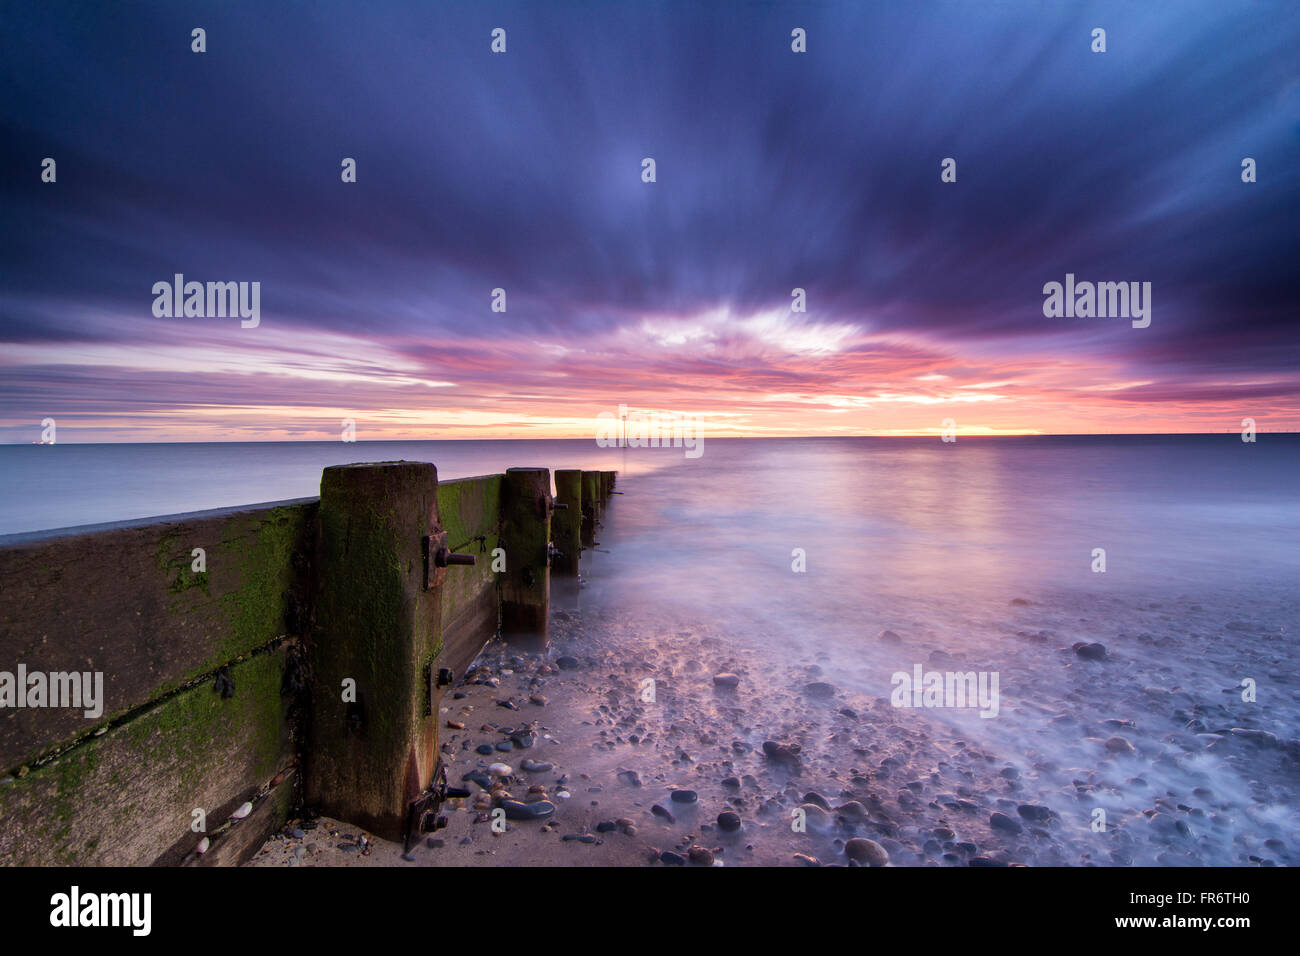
[(439, 677), (424, 813), (438, 557)]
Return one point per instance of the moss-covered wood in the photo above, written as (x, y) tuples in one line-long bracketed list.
[(379, 629), (566, 522), (127, 601), (127, 797), (526, 532)]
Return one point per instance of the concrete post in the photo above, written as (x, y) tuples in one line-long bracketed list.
[(525, 534), (566, 523), (374, 737)]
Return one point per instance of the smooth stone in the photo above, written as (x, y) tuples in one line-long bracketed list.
[(242, 812), (1119, 745), (684, 796), (781, 752), (889, 637), (630, 777), (663, 813), (485, 749), (869, 852), (728, 821), (852, 811), (567, 663), (515, 810), (819, 689), (812, 796), (700, 856), (726, 679), (1000, 821), (1090, 652), (1035, 813), (669, 858), (535, 766)]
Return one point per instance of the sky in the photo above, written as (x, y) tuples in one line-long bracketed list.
[(522, 170)]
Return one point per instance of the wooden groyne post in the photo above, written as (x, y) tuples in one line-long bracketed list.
[(526, 536), (566, 522), (374, 737)]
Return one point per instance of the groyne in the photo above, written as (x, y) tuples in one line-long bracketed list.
[(179, 684)]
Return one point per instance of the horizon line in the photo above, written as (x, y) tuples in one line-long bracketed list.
[(380, 441)]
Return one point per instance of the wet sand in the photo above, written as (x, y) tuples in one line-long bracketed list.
[(806, 766)]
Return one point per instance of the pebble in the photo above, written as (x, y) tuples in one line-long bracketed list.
[(203, 845), (567, 663), (500, 769), (515, 810), (663, 813), (812, 796), (630, 777), (726, 679), (485, 749), (1119, 745), (669, 858), (1000, 821), (535, 766), (889, 637), (684, 796), (1090, 652), (242, 812), (1035, 813), (863, 851), (699, 855), (728, 821), (781, 752), (819, 690), (852, 811), (807, 860)]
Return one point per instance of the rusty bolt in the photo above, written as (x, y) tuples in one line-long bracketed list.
[(443, 558)]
